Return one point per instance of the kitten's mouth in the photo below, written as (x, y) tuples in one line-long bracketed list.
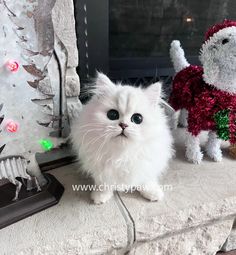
[(122, 134)]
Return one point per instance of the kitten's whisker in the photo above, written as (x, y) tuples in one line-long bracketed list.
[(110, 129), (90, 130), (100, 149), (133, 132), (94, 140), (107, 136), (91, 125)]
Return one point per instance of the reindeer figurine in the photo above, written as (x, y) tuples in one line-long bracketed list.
[(13, 167)]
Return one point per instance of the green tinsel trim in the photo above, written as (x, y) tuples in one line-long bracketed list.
[(222, 124), (223, 134)]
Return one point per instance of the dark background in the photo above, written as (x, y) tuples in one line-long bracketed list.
[(145, 28), (129, 40)]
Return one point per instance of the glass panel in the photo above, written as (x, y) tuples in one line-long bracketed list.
[(145, 28)]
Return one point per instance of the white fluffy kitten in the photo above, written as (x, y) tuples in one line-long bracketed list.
[(122, 139)]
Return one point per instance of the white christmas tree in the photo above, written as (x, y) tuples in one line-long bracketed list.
[(26, 98)]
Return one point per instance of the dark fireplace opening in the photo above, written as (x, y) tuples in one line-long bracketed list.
[(130, 40)]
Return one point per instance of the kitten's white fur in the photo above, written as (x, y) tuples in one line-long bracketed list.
[(110, 159)]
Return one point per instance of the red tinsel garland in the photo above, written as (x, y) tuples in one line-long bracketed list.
[(232, 127)]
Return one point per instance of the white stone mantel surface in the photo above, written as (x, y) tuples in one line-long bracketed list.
[(195, 218)]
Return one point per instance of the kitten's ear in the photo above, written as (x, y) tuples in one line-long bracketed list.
[(102, 81), (154, 92)]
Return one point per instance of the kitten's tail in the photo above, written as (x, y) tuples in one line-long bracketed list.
[(177, 56)]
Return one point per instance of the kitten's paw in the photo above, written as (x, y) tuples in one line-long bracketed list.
[(101, 197), (153, 193), (194, 156)]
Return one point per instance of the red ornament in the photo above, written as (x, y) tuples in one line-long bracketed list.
[(12, 126), (12, 66)]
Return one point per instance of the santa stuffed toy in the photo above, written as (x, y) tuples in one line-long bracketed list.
[(206, 95)]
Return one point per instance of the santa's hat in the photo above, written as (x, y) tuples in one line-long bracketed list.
[(217, 27)]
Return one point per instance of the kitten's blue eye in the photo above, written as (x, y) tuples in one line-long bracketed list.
[(137, 118), (113, 114)]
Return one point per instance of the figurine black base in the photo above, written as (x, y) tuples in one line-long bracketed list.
[(56, 158), (29, 202)]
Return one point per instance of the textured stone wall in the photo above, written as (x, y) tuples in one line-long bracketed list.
[(64, 27)]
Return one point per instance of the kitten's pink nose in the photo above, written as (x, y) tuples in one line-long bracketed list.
[(123, 125)]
